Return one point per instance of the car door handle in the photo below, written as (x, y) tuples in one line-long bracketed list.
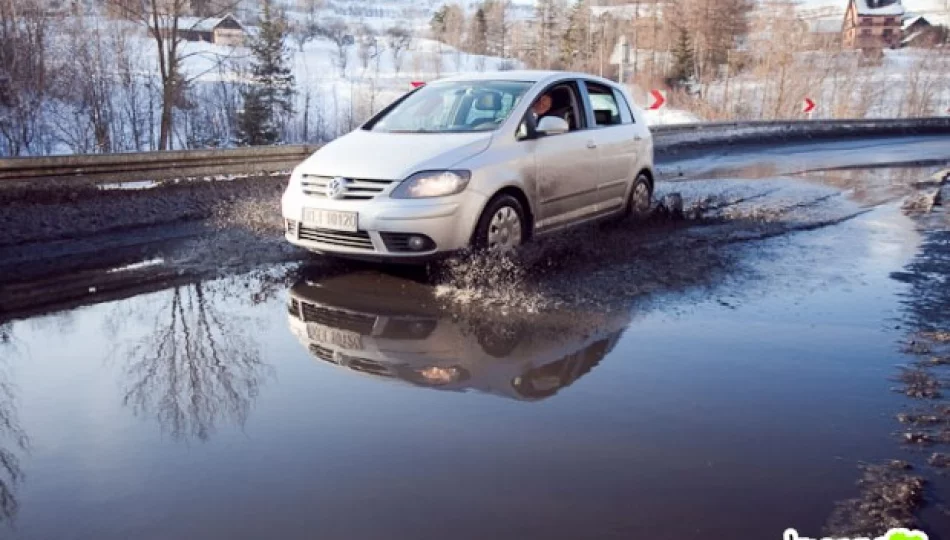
[(638, 138), (591, 144)]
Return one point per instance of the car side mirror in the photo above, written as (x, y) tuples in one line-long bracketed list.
[(553, 125)]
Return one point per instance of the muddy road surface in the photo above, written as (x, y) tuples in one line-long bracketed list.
[(777, 355)]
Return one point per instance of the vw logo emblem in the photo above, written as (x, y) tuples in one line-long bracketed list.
[(336, 188)]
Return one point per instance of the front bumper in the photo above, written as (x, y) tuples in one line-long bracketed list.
[(447, 221)]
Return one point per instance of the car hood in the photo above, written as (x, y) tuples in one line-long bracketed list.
[(393, 156)]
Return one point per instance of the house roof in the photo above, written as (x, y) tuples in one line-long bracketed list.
[(894, 8), (205, 24), (911, 21)]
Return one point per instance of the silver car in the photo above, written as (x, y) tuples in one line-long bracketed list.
[(488, 161)]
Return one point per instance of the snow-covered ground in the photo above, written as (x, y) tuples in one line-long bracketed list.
[(907, 82)]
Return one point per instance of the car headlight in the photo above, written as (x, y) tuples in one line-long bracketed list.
[(432, 184), (439, 375)]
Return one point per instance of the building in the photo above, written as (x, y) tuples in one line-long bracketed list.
[(919, 32), (226, 31), (873, 25)]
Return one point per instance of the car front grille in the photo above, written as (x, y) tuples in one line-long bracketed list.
[(355, 190), (341, 320), (365, 365), (358, 239)]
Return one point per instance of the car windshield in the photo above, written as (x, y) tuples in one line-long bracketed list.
[(454, 107)]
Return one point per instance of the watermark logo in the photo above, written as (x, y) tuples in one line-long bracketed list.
[(893, 534)]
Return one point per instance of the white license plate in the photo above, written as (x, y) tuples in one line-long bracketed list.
[(330, 219), (337, 338)]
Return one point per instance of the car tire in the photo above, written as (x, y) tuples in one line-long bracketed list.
[(640, 200), (498, 342), (503, 225)]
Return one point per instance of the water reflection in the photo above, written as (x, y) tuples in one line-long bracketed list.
[(387, 327), (197, 366), (927, 302)]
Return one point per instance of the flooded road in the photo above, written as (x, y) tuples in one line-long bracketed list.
[(727, 373)]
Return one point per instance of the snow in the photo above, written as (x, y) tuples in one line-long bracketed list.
[(625, 11), (824, 26), (668, 116)]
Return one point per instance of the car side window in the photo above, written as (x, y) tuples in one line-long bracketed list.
[(626, 115), (605, 106), (564, 102)]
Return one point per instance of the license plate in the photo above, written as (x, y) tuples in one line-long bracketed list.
[(330, 219), (338, 338)]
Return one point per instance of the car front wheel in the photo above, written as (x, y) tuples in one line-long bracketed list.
[(502, 226)]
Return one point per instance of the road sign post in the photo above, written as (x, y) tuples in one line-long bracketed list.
[(808, 106)]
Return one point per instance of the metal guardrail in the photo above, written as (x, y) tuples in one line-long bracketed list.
[(908, 126), (103, 168)]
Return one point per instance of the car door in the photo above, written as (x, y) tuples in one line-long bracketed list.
[(566, 165), (618, 143)]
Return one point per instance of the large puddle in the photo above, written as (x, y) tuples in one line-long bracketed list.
[(365, 405)]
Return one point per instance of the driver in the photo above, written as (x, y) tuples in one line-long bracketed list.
[(542, 106)]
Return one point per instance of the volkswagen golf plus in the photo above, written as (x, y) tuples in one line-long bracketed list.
[(486, 161)]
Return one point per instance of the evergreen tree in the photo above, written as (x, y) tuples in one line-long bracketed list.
[(437, 23), (684, 66), (478, 32), (268, 100)]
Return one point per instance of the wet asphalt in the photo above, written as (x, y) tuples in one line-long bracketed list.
[(733, 370)]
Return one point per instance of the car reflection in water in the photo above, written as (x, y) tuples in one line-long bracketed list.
[(388, 327)]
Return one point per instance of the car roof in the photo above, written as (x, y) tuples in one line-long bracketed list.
[(526, 75)]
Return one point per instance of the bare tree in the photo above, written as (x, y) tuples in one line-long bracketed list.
[(398, 38), (13, 439), (163, 20), (197, 368), (308, 29), (25, 75), (339, 33), (367, 46), (499, 19)]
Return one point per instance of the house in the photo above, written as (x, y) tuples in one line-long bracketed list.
[(872, 25), (919, 32), (226, 31)]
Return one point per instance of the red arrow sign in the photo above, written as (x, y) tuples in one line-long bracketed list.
[(417, 84), (808, 105), (658, 99)]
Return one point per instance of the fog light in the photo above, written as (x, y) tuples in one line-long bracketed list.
[(417, 243)]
